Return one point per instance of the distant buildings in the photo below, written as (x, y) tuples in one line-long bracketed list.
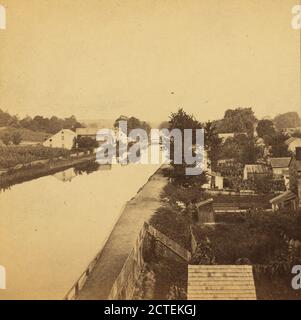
[(63, 139), (291, 199), (291, 130), (280, 168), (87, 132), (251, 171), (293, 143)]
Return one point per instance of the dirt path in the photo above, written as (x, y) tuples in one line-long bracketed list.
[(122, 239)]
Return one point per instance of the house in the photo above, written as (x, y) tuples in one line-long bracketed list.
[(280, 168), (254, 170), (291, 199), (286, 200), (291, 130), (87, 132), (293, 143), (63, 139)]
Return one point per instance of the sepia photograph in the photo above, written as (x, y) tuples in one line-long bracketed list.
[(150, 150)]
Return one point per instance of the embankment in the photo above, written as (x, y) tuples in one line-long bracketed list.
[(40, 169)]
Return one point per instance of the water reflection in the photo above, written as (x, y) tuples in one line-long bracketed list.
[(80, 169), (50, 231)]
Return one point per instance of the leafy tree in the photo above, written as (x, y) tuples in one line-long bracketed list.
[(16, 138), (265, 128), (6, 139), (7, 120), (39, 123), (278, 146), (85, 143), (212, 142), (181, 120), (133, 123), (287, 120), (242, 148), (164, 124), (238, 120)]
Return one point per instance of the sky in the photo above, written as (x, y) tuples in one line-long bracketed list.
[(103, 58)]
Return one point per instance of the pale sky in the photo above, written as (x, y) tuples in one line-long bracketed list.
[(103, 58)]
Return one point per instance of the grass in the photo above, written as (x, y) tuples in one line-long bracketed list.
[(10, 156), (173, 224)]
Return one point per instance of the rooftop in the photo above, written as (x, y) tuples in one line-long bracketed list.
[(283, 162), (221, 282), (256, 168)]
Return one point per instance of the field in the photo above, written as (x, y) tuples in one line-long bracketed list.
[(26, 134), (10, 156)]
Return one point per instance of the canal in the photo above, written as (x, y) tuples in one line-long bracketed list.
[(52, 227)]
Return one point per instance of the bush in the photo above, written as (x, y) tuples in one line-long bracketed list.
[(261, 237)]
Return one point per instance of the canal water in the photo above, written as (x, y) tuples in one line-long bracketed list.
[(52, 227)]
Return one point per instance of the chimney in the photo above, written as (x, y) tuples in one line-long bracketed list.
[(298, 153)]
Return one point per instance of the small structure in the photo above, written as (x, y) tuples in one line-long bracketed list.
[(280, 169), (280, 166), (205, 212), (220, 282), (253, 170), (286, 200), (293, 143), (291, 199), (63, 139), (217, 180)]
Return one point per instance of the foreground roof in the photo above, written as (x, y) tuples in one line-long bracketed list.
[(220, 282)]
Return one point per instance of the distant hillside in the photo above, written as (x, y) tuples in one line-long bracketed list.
[(98, 123), (26, 134)]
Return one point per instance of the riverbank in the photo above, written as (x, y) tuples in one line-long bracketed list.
[(40, 169), (110, 261)]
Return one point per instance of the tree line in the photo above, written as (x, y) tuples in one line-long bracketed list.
[(39, 123)]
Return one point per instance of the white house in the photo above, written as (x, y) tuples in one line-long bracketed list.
[(293, 143), (63, 139)]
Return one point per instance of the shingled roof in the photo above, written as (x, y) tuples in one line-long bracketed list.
[(256, 168), (280, 162), (221, 282)]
